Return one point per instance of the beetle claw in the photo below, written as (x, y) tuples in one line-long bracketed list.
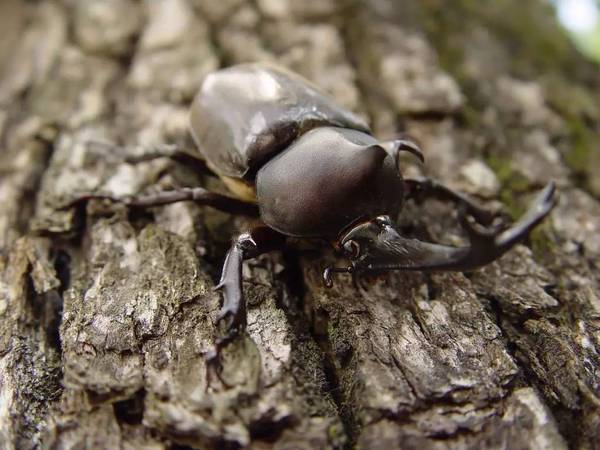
[(329, 271), (234, 322), (212, 357), (327, 277), (214, 368)]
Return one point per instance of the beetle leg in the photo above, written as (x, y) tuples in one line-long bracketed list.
[(199, 195), (422, 188), (173, 152), (137, 154), (382, 248), (232, 315)]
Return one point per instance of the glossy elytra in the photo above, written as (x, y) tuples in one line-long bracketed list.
[(311, 169)]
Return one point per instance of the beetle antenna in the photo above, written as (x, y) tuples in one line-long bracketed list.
[(329, 271)]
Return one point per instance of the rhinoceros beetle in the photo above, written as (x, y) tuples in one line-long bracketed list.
[(310, 169)]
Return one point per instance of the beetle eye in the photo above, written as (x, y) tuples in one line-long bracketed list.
[(352, 249)]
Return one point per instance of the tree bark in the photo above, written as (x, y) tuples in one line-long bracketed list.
[(105, 313)]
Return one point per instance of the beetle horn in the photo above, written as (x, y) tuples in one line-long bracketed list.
[(379, 247), (394, 148)]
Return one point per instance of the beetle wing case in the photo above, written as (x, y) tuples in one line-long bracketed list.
[(245, 114)]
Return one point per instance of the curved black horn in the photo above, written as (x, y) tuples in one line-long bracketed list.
[(394, 148), (384, 249)]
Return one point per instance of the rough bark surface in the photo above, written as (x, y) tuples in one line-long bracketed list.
[(105, 313)]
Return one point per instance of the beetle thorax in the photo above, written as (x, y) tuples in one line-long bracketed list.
[(327, 180)]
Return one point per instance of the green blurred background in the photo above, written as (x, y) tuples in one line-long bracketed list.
[(581, 19)]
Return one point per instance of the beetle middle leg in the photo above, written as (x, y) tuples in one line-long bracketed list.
[(134, 154), (198, 195), (172, 152), (422, 188), (232, 315)]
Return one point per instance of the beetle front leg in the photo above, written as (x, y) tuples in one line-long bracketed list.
[(422, 188), (232, 315)]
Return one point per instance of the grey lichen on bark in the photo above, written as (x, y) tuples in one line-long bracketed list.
[(105, 313)]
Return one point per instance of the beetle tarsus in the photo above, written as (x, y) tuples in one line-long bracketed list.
[(213, 367), (329, 271)]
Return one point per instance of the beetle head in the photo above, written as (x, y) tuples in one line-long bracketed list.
[(370, 246)]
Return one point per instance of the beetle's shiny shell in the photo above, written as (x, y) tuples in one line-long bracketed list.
[(307, 192), (246, 114)]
